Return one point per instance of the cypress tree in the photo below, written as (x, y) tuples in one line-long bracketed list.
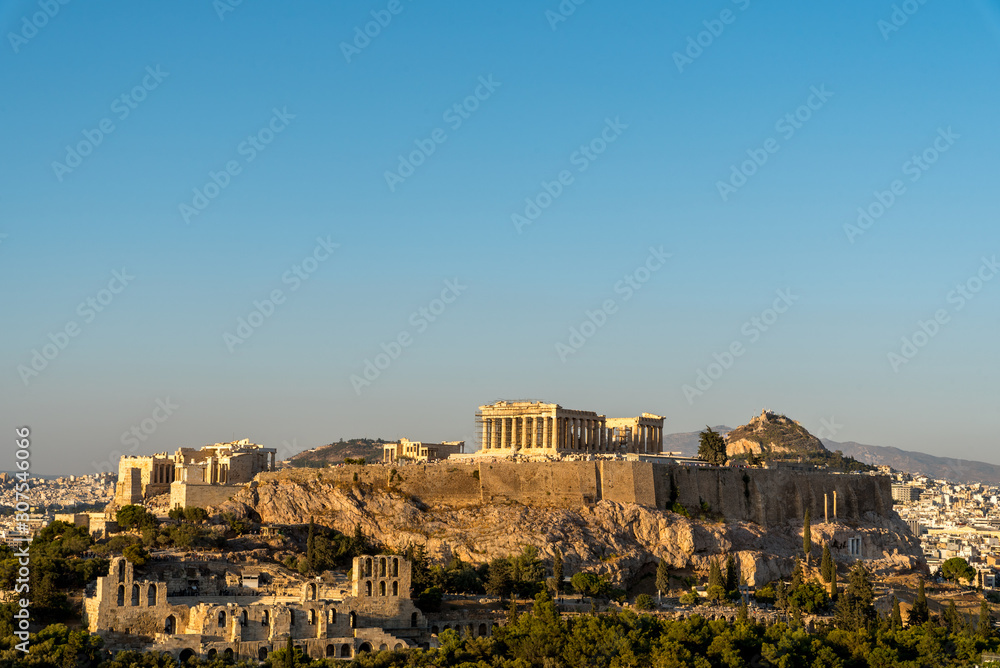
[(662, 577), (289, 654), (833, 584), (826, 565), (557, 569), (897, 615), (920, 612), (807, 544), (732, 577), (715, 575), (311, 545), (985, 621)]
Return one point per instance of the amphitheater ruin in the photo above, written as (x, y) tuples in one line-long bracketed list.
[(200, 610)]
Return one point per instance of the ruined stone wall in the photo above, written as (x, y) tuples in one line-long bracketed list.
[(203, 495), (562, 484), (765, 496)]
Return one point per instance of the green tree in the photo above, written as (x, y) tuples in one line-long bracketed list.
[(712, 447), (662, 577), (134, 517), (897, 616), (956, 569), (643, 602), (732, 577), (136, 554), (834, 592), (195, 514), (807, 544), (920, 612), (557, 567), (715, 575), (826, 564), (311, 546), (985, 628), (856, 609)]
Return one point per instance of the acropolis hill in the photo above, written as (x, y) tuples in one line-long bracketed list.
[(609, 516)]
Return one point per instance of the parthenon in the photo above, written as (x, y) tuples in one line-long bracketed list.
[(536, 428)]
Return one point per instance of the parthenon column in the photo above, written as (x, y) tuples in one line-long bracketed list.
[(504, 433)]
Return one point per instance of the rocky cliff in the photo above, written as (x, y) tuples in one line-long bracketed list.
[(773, 436), (622, 540)]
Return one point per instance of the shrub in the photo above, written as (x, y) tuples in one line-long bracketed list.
[(643, 602)]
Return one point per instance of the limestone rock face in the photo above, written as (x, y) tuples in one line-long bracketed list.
[(621, 540)]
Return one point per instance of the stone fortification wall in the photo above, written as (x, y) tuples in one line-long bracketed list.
[(765, 496)]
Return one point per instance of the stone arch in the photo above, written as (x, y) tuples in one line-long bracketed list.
[(447, 627), (353, 618), (212, 653), (381, 567), (121, 570), (368, 567), (434, 630), (331, 650), (135, 595), (395, 588), (243, 617), (395, 567), (331, 616), (311, 591), (345, 650), (228, 654), (170, 625), (398, 645), (222, 617), (262, 654), (121, 595), (483, 630), (368, 588), (185, 654), (151, 596), (312, 616), (413, 620), (381, 588), (383, 647), (265, 619)]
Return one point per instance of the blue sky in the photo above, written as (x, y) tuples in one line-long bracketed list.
[(676, 131)]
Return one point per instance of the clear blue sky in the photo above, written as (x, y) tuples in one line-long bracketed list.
[(551, 90)]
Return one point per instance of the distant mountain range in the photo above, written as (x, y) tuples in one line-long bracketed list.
[(945, 468)]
